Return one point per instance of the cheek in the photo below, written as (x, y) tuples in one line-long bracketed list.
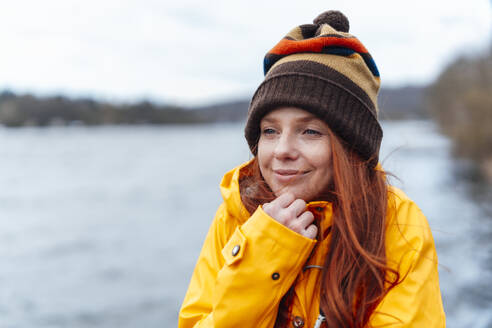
[(325, 162), (263, 154), (320, 159), (265, 157)]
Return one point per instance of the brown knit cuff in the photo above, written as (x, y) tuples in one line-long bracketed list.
[(347, 115)]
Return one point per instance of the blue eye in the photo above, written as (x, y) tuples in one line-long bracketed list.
[(312, 132), (268, 131)]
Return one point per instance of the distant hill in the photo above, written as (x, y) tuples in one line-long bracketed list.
[(402, 103), (394, 103), (29, 110), (223, 112)]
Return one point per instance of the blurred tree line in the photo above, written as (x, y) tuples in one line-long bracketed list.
[(28, 110), (460, 100)]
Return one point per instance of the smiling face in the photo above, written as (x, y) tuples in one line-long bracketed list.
[(294, 153)]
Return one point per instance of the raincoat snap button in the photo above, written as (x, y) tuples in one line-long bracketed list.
[(298, 322), (275, 276), (319, 208), (235, 250)]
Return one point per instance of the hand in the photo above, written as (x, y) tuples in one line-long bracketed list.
[(291, 212)]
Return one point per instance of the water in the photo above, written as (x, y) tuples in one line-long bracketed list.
[(101, 227)]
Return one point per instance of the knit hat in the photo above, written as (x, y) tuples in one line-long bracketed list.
[(323, 69)]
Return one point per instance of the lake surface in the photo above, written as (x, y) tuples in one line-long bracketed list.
[(101, 226)]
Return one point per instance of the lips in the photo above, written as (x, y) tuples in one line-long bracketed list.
[(288, 174)]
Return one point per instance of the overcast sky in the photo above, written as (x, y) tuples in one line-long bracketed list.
[(199, 52)]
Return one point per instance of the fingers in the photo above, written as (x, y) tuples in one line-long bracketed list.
[(297, 207), (310, 232), (302, 223), (291, 212), (277, 207), (287, 200), (305, 219), (284, 200)]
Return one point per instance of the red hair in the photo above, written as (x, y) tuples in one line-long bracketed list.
[(355, 276)]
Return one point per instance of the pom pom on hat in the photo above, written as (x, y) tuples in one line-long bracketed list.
[(335, 19)]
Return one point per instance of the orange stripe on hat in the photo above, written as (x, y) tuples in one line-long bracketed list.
[(287, 47)]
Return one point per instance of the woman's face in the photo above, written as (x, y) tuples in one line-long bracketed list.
[(294, 153)]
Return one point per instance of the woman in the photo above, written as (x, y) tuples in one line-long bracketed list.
[(309, 233)]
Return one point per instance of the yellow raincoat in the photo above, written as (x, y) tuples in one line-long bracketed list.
[(248, 263)]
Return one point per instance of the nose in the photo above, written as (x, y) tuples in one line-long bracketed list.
[(285, 147)]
